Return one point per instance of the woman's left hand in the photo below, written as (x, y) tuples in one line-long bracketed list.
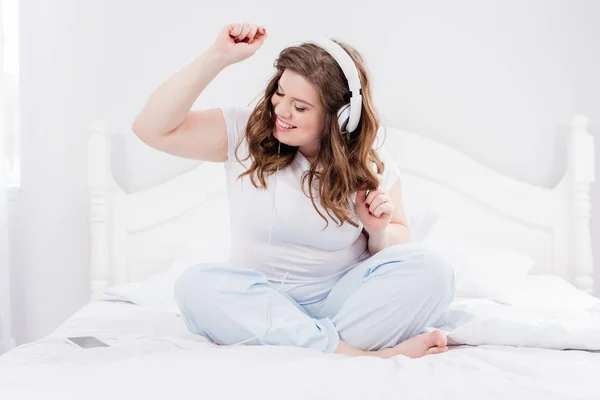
[(374, 210)]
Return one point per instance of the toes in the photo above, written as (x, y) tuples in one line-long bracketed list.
[(439, 338), (437, 350)]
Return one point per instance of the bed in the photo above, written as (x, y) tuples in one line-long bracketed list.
[(538, 340)]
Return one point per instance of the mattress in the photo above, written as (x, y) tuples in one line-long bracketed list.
[(152, 356)]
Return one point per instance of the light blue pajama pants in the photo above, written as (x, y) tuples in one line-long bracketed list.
[(398, 293)]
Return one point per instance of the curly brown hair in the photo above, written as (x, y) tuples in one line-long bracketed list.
[(342, 166)]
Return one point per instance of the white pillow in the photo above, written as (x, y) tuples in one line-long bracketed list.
[(483, 271), (549, 292), (156, 292), (421, 225)]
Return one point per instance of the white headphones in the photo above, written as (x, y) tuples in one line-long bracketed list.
[(349, 114)]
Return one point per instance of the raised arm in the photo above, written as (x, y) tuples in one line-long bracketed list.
[(166, 121)]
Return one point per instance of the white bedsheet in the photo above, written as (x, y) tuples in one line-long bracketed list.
[(152, 356)]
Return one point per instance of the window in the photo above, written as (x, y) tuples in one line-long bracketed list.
[(9, 87)]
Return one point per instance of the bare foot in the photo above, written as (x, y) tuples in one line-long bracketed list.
[(421, 345)]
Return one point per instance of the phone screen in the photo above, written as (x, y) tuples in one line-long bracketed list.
[(87, 342)]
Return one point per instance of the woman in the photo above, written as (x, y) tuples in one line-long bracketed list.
[(320, 254)]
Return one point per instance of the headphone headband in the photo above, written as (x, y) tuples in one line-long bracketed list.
[(350, 71)]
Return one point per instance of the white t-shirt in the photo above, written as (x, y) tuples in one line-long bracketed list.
[(299, 244)]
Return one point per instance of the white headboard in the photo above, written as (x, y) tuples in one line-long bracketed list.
[(136, 234)]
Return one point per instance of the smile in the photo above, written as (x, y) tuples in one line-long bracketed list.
[(283, 125)]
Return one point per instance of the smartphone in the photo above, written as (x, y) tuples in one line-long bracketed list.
[(87, 342)]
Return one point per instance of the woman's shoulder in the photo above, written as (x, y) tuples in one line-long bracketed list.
[(236, 119), (391, 172)]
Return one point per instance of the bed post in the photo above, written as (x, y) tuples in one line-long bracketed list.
[(99, 191), (581, 169)]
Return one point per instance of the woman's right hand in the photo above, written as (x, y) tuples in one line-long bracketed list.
[(236, 42)]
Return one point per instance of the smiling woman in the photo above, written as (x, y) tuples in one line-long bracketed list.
[(316, 208), (301, 110)]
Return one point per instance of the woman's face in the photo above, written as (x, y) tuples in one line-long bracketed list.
[(299, 114)]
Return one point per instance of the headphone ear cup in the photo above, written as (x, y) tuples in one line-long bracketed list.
[(343, 116)]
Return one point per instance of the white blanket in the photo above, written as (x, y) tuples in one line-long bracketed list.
[(478, 322), (152, 356)]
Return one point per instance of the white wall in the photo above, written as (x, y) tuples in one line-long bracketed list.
[(499, 80), (50, 234)]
